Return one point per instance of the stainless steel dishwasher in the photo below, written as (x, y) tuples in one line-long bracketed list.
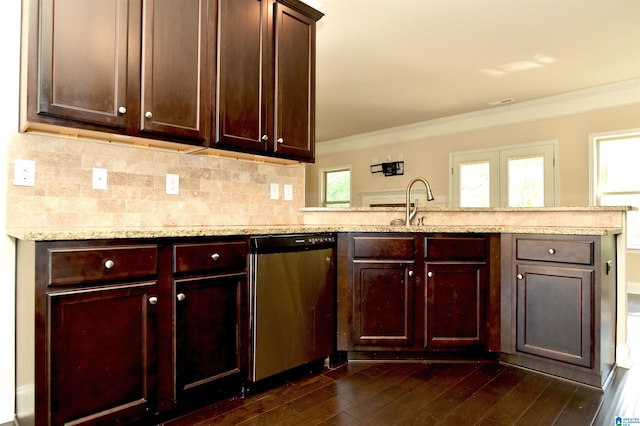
[(292, 301)]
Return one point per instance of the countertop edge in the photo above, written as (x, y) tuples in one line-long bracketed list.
[(224, 231)]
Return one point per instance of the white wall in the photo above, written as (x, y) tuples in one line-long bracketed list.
[(9, 88)]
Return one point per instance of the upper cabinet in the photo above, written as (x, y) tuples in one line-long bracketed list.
[(266, 79), (228, 74), (135, 67)]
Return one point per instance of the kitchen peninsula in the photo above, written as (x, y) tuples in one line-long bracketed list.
[(488, 245)]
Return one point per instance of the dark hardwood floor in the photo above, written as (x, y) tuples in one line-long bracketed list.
[(433, 393)]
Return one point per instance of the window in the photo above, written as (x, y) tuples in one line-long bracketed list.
[(516, 176), (616, 176), (336, 187)]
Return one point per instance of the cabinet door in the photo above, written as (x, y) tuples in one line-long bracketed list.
[(456, 304), (244, 70), (208, 329), (294, 83), (101, 360), (175, 72), (383, 304), (83, 60), (554, 310)]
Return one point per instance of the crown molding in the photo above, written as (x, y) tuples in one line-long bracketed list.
[(580, 101)]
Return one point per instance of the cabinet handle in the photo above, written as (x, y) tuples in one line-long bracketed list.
[(519, 276), (122, 110), (148, 114), (430, 274), (280, 140), (153, 300), (410, 273), (265, 137), (181, 297), (109, 264), (552, 251), (215, 256)]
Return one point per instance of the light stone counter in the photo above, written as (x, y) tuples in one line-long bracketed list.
[(557, 220)]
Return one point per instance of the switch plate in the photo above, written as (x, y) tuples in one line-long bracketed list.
[(275, 191), (173, 184), (288, 192), (99, 178), (24, 173)]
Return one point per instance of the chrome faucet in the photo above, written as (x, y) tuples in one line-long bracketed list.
[(411, 213)]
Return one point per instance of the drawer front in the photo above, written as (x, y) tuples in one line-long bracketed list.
[(550, 250), (99, 264), (202, 257), (458, 248), (384, 247)]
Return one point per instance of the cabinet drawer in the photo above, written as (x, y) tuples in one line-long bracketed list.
[(209, 256), (461, 248), (384, 247), (97, 264), (553, 250)]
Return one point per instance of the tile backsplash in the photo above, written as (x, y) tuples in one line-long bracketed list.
[(212, 190)]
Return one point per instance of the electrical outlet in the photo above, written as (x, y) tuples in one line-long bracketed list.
[(173, 184), (288, 192), (24, 173), (275, 191), (99, 178)]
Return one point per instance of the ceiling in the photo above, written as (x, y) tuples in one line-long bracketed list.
[(388, 63)]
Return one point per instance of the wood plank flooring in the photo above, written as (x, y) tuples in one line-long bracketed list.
[(432, 393)]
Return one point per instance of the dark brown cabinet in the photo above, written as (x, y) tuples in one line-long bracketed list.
[(383, 290), (456, 283), (120, 331), (562, 298), (134, 67), (415, 292), (101, 364), (209, 294), (266, 80)]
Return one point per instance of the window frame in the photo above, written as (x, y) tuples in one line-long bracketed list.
[(497, 158), (594, 168), (323, 184)]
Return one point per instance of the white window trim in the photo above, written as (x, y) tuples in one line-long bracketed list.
[(494, 154), (593, 173), (321, 173)]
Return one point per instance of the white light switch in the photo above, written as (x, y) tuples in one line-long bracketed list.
[(24, 173), (288, 192), (99, 178), (275, 191), (173, 184)]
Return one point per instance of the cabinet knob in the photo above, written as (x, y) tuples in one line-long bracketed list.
[(265, 137), (181, 296), (215, 256), (153, 300), (410, 273), (280, 140), (430, 274), (148, 114), (109, 264), (122, 110), (519, 276), (552, 251)]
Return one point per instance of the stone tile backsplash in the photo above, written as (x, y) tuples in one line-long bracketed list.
[(213, 190)]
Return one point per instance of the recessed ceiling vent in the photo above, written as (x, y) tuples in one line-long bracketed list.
[(502, 102)]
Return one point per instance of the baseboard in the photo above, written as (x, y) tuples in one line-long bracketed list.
[(633, 287), (623, 358)]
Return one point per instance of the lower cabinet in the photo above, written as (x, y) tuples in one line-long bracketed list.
[(415, 292), (122, 331), (560, 298), (101, 347), (209, 301)]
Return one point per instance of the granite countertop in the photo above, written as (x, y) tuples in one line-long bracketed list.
[(213, 231)]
